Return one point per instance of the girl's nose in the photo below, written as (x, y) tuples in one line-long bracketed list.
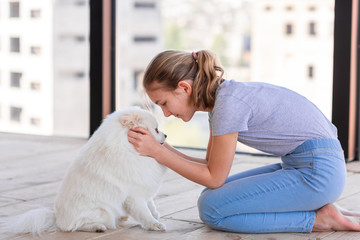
[(166, 113)]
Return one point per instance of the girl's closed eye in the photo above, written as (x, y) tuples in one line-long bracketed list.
[(163, 104)]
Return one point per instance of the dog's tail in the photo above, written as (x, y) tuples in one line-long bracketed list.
[(35, 221)]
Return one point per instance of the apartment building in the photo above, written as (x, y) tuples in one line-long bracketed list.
[(292, 46), (44, 62), (139, 39)]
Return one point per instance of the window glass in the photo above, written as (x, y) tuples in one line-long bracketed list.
[(14, 11), (287, 43), (15, 79), (15, 44), (45, 67)]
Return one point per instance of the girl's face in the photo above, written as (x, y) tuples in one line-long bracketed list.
[(175, 102)]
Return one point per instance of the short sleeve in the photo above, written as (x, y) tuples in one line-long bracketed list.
[(229, 115)]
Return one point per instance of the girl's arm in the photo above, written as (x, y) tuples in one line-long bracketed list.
[(193, 159), (220, 156), (199, 160)]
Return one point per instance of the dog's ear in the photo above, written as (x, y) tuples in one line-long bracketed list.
[(130, 120)]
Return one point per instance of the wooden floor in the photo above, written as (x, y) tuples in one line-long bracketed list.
[(32, 168)]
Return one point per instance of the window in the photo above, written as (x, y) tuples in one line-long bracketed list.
[(267, 8), (72, 37), (312, 8), (15, 79), (35, 13), (80, 38), (288, 29), (310, 72), (79, 74), (14, 44), (80, 2), (144, 4), (14, 10), (35, 50), (312, 28), (35, 121), (137, 79), (23, 76), (15, 114), (35, 86), (140, 39)]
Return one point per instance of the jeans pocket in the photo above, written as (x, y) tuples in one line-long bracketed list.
[(303, 162)]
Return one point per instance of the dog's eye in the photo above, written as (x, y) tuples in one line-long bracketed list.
[(156, 130)]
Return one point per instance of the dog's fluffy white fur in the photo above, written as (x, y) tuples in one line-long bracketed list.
[(107, 181)]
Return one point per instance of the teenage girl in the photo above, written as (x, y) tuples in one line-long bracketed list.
[(295, 195)]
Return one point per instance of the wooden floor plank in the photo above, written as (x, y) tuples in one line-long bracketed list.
[(33, 169), (174, 230)]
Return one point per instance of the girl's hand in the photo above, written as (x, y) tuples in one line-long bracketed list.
[(143, 141)]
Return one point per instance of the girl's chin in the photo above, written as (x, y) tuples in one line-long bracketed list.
[(186, 118)]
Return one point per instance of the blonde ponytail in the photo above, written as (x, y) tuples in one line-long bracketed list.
[(207, 79)]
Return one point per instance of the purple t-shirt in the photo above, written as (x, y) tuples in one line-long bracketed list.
[(269, 118)]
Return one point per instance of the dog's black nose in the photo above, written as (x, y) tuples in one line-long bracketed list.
[(165, 135)]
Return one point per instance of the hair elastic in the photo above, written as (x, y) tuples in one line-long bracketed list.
[(195, 56)]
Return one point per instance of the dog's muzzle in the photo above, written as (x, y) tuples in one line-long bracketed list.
[(165, 136)]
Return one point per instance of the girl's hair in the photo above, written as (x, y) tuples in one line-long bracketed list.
[(171, 66)]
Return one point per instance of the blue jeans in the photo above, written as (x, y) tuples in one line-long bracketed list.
[(279, 197)]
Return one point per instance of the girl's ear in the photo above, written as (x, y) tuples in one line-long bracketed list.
[(185, 86)]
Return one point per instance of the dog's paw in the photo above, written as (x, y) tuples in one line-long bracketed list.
[(93, 227), (156, 215), (156, 226)]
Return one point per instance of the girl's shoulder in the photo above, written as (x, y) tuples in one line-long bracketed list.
[(236, 88)]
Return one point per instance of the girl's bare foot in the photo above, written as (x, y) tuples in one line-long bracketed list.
[(329, 218), (346, 212)]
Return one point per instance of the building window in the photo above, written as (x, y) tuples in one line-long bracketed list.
[(15, 44), (14, 9), (80, 2), (35, 86), (15, 114), (35, 13), (312, 8), (288, 29), (144, 4), (140, 39), (79, 74), (312, 29), (72, 37), (35, 50), (138, 74), (80, 38), (15, 79), (310, 72), (35, 121), (267, 8)]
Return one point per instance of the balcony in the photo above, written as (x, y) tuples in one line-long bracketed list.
[(32, 168)]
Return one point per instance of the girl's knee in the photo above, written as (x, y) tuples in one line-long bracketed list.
[(206, 207)]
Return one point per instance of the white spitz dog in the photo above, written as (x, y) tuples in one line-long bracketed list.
[(107, 181)]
